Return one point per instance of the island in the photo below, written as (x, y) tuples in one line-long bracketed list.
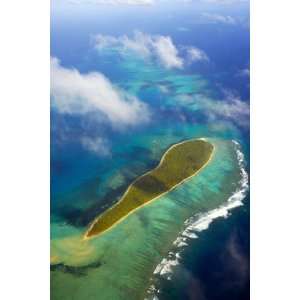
[(179, 163)]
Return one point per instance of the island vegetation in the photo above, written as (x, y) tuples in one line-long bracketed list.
[(179, 163)]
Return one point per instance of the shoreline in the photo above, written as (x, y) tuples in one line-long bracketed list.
[(201, 222), (86, 237)]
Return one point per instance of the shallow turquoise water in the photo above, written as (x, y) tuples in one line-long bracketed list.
[(130, 251), (183, 104)]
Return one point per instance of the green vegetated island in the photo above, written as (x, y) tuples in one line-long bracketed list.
[(179, 163)]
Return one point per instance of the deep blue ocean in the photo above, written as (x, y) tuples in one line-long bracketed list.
[(215, 266)]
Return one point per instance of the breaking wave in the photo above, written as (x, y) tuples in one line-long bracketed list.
[(200, 222)]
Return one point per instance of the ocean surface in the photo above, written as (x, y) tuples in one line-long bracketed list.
[(194, 242)]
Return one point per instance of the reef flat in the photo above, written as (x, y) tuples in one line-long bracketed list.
[(179, 163), (120, 263)]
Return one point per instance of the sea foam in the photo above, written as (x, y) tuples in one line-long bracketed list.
[(200, 222)]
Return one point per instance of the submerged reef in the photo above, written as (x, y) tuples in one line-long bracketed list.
[(180, 162)]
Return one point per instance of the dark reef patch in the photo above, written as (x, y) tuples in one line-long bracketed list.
[(75, 271)]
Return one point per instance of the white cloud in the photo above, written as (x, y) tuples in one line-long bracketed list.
[(167, 52), (114, 2), (232, 108), (195, 54), (103, 41), (217, 18), (157, 47), (96, 145), (74, 92), (139, 44)]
